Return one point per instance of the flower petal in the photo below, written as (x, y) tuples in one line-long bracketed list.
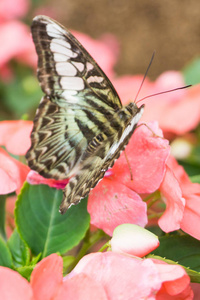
[(15, 136), (176, 282), (14, 286), (122, 277), (13, 11), (12, 173), (171, 110), (46, 278), (191, 215), (191, 193), (19, 43), (35, 178), (175, 203), (81, 287), (147, 157), (111, 204)]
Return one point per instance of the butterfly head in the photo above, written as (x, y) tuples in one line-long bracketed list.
[(130, 111)]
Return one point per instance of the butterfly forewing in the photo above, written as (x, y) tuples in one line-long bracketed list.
[(66, 69), (80, 127)]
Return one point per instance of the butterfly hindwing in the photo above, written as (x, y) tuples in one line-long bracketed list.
[(57, 142), (99, 156)]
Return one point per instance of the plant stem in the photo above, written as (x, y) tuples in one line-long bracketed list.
[(2, 216), (88, 242)]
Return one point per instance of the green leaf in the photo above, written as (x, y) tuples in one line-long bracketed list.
[(18, 91), (182, 249), (19, 250), (190, 168), (5, 255), (42, 226), (2, 216), (195, 178), (191, 72), (26, 271), (35, 259)]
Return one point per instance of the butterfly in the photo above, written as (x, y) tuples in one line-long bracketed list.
[(80, 127)]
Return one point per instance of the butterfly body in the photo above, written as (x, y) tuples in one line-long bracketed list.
[(80, 126)]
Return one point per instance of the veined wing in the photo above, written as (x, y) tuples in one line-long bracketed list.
[(66, 70), (80, 127), (80, 101), (93, 167), (61, 135), (99, 156)]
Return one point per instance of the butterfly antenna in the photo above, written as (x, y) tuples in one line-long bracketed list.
[(145, 75), (164, 92)]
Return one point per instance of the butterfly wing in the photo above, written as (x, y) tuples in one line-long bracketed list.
[(80, 101), (66, 70), (80, 126), (94, 164), (99, 156)]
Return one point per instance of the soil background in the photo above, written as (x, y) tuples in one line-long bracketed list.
[(172, 28)]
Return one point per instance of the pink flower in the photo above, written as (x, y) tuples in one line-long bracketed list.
[(196, 290), (14, 286), (172, 195), (175, 282), (12, 173), (16, 43), (100, 276), (47, 283), (35, 178), (115, 200), (182, 201), (125, 277), (10, 9), (133, 240), (15, 136), (171, 110)]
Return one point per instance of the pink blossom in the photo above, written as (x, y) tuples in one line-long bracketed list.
[(191, 194), (16, 43), (35, 178), (14, 286), (171, 110), (12, 173), (115, 199), (125, 277), (47, 283), (182, 199), (100, 276), (15, 136), (172, 195), (10, 9)]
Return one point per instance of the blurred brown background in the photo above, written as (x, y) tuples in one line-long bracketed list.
[(172, 28)]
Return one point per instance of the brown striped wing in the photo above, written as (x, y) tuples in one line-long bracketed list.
[(78, 104)]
